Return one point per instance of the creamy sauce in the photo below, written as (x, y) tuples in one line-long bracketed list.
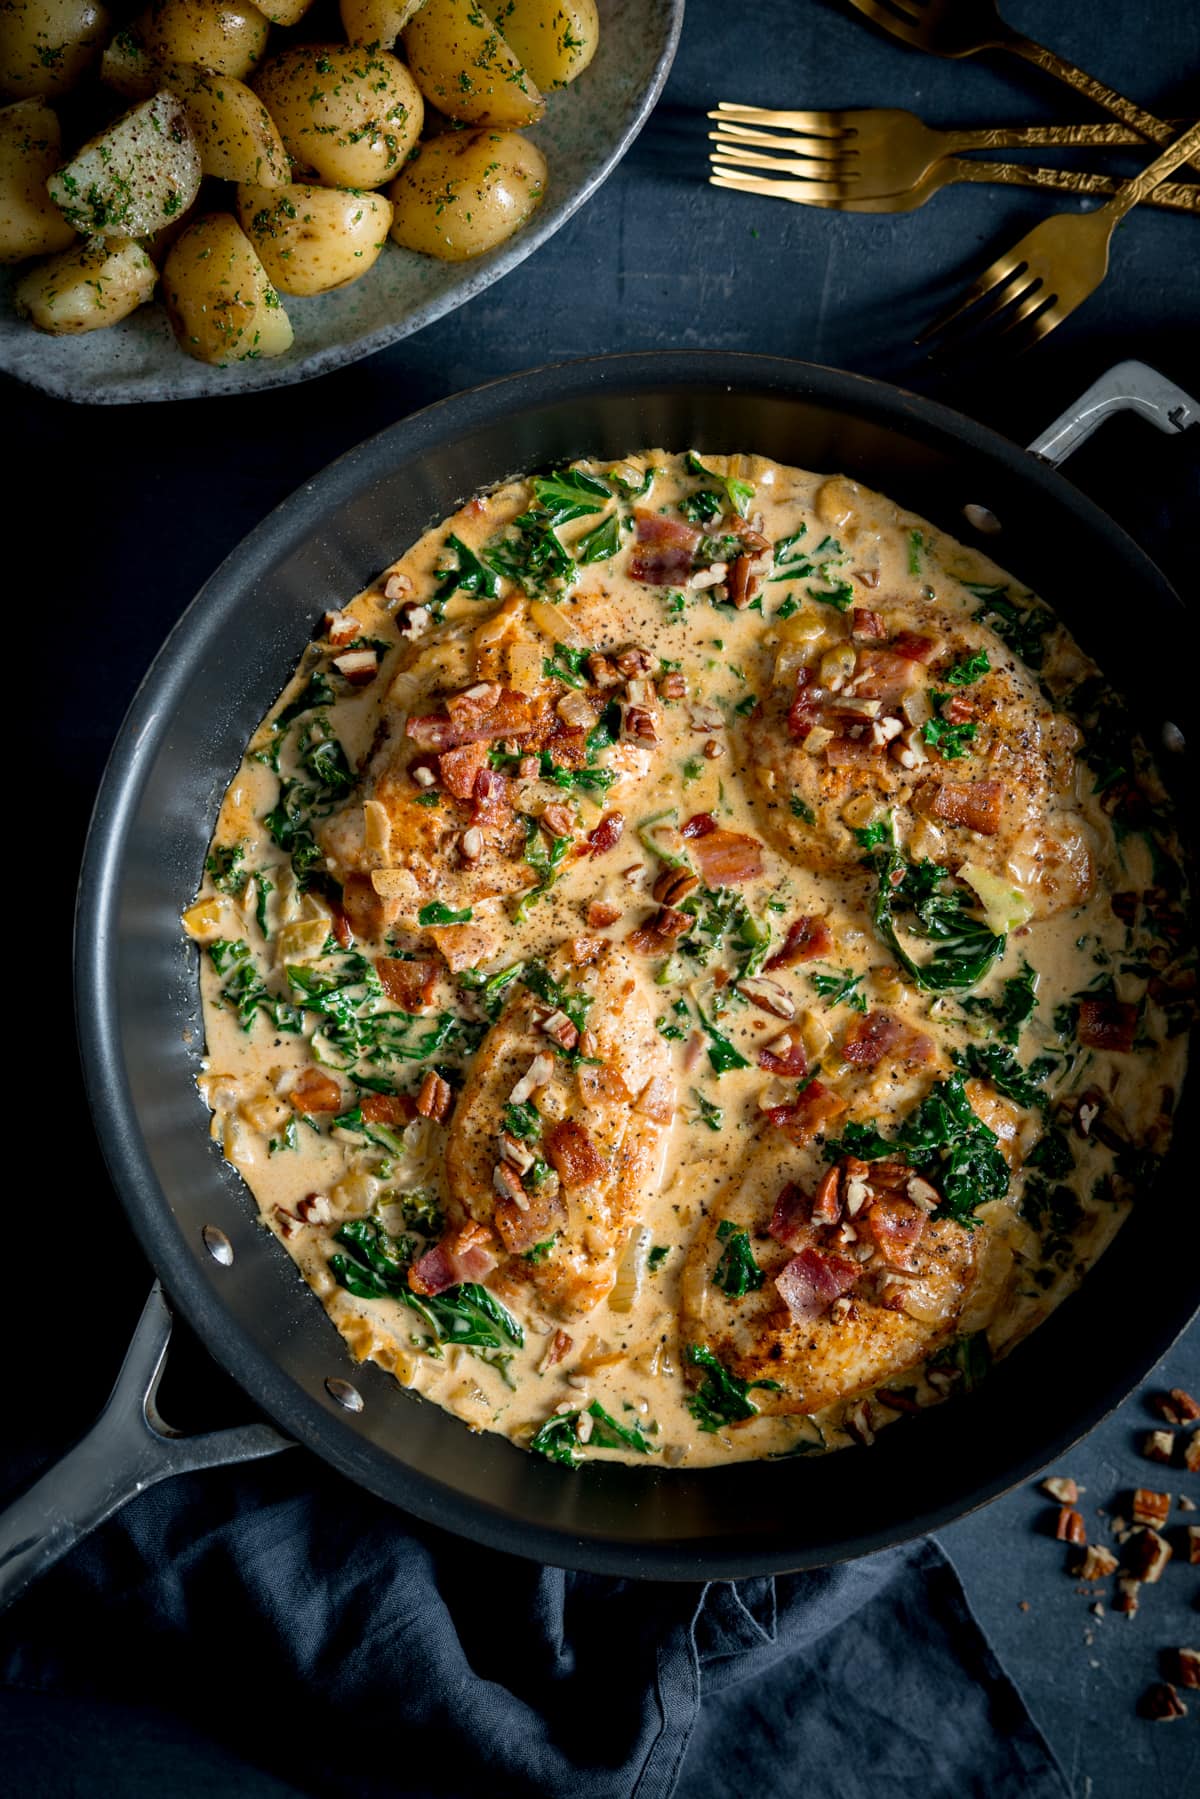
[(775, 767)]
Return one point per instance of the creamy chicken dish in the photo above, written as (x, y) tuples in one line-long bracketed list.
[(694, 965)]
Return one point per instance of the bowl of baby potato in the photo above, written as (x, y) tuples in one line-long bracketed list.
[(216, 196)]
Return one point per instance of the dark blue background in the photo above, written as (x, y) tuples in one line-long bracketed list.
[(123, 513)]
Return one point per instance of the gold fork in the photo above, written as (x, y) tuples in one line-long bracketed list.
[(1054, 267), (1175, 196), (963, 27), (866, 152)]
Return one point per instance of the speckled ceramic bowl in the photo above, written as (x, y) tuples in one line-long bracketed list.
[(586, 131)]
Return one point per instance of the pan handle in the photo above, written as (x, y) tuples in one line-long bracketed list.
[(128, 1449), (1129, 387)]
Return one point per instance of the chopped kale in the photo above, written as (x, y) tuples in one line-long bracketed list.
[(963, 673), (711, 1115), (467, 574), (722, 1055), (840, 989), (997, 1064), (558, 1439), (602, 543), (1022, 628), (937, 909), (949, 740), (244, 990), (316, 694), (570, 494), (1015, 1007), (438, 913), (721, 1398), (969, 1356), (737, 1273), (226, 868)]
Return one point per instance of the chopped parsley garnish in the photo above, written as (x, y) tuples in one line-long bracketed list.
[(873, 836), (963, 673), (737, 1273), (949, 740), (722, 1398)]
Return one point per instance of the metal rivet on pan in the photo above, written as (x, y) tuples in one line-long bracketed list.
[(1173, 739), (982, 518), (345, 1394), (218, 1245)]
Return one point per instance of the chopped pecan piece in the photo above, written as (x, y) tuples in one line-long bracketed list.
[(1176, 1407), (359, 667), (599, 913), (557, 821), (558, 1027), (1193, 1544), (1126, 1597), (560, 1344), (1185, 1665), (315, 1092), (1158, 1445), (1097, 1563), (395, 1109), (1062, 1488), (656, 936), (785, 1056), (1150, 1508), (1147, 1554), (435, 1097), (1161, 1704), (603, 672), (638, 724), (700, 824), (1107, 1024), (673, 686), (397, 587), (634, 662), (341, 628), (827, 1200), (1070, 1527), (314, 1208), (768, 995), (1191, 1453), (674, 885)]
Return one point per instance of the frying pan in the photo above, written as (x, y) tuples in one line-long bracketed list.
[(141, 1038)]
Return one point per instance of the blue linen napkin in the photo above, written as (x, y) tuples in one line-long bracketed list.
[(268, 1631)]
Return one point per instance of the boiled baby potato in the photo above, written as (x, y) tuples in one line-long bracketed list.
[(466, 192), (30, 150), (126, 67), (555, 39), (351, 116), (46, 45), (98, 284), (463, 66), (223, 35), (135, 177), (311, 239), (377, 23), (219, 298), (234, 132), (285, 12)]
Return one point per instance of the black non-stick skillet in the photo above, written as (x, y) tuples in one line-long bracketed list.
[(140, 1031)]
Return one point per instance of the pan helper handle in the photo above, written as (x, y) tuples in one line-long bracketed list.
[(1129, 387), (128, 1449)]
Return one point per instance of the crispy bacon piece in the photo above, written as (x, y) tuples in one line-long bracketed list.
[(458, 769), (465, 1254), (606, 833), (827, 1200), (367, 914), (811, 1281), (489, 796), (975, 804), (792, 1217), (521, 1226), (599, 913), (881, 1036), (315, 1092), (805, 709), (785, 1056), (853, 752), (885, 675), (700, 824), (806, 939), (573, 1155), (657, 1100), (666, 549), (865, 624), (727, 858), (914, 647), (388, 1108), (408, 985), (1107, 1024), (339, 924), (511, 715), (802, 1117), (896, 1227)]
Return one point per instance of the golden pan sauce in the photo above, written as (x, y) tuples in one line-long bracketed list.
[(698, 920)]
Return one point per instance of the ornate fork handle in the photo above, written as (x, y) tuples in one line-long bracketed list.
[(1064, 137), (1178, 196), (1157, 131)]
